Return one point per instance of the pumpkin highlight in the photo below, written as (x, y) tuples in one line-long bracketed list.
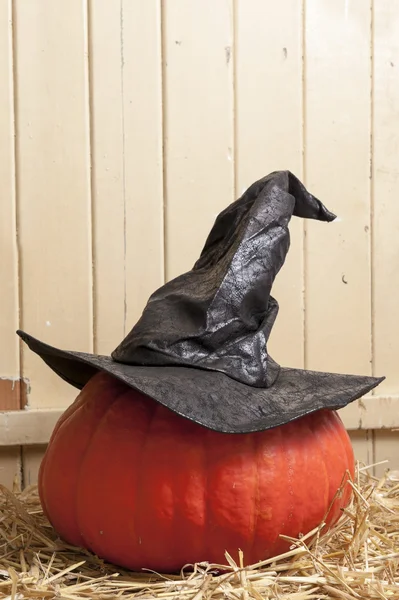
[(142, 487)]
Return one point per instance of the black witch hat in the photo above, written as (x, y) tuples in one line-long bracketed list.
[(200, 346)]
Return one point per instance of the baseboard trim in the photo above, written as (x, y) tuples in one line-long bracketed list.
[(27, 427), (31, 427)]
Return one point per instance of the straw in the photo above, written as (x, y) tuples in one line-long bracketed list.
[(357, 559)]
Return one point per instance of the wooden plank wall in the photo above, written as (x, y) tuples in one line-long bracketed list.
[(9, 297), (125, 127)]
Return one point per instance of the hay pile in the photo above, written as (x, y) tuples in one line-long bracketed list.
[(357, 559)]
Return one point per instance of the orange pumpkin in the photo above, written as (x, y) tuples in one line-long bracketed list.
[(143, 487)]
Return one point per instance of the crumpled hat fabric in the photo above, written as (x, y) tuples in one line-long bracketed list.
[(200, 346)]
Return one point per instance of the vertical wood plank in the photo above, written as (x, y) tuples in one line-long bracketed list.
[(363, 446), (53, 157), (386, 449), (269, 137), (337, 142), (9, 347), (385, 194), (198, 109), (10, 466), (105, 52), (126, 90), (31, 459), (143, 153)]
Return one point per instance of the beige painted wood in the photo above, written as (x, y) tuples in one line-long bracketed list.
[(198, 117), (372, 412), (337, 155), (9, 347), (53, 167), (27, 427), (31, 459), (225, 90), (126, 86), (386, 449), (142, 97), (363, 446), (108, 181), (10, 464), (269, 119), (385, 195), (351, 415), (10, 467), (32, 427)]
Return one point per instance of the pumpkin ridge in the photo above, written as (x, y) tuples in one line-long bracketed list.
[(66, 415), (300, 522), (80, 400), (69, 412), (280, 433), (174, 488), (251, 558), (315, 432), (64, 422), (328, 424), (330, 497), (290, 457), (82, 462), (308, 431), (139, 477), (328, 502), (343, 437), (206, 465), (106, 545)]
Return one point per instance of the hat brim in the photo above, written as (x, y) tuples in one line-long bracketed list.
[(213, 399)]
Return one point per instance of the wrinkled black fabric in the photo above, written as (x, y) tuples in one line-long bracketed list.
[(219, 315), (200, 347)]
